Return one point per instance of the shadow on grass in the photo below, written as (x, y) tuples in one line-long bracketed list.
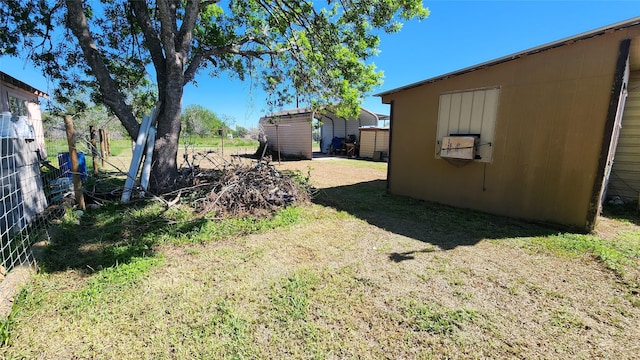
[(113, 235), (408, 255), (628, 212), (443, 226)]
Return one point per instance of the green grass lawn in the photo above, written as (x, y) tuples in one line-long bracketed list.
[(357, 274)]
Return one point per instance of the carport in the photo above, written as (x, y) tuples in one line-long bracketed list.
[(290, 131)]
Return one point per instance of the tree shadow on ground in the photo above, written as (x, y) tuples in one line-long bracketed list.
[(443, 226), (114, 234), (629, 212)]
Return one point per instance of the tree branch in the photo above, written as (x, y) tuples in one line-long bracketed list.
[(200, 56), (203, 4), (166, 29), (151, 37), (78, 24), (192, 9)]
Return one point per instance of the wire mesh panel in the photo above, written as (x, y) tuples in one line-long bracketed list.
[(29, 183), (22, 199)]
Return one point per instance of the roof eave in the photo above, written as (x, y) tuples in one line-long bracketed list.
[(6, 78)]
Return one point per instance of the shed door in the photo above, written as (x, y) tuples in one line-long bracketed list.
[(616, 134)]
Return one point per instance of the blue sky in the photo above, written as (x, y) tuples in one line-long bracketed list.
[(456, 35)]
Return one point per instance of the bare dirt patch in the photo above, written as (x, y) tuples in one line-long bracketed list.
[(331, 172)]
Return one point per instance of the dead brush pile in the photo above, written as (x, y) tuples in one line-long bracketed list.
[(245, 190)]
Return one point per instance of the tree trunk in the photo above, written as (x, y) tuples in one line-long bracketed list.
[(164, 169)]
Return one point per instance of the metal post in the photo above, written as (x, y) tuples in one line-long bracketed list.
[(278, 140), (222, 138)]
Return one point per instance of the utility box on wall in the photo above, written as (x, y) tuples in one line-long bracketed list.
[(458, 147)]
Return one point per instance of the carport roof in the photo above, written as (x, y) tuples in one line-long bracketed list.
[(307, 110), (589, 34)]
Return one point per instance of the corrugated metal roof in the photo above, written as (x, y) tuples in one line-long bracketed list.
[(290, 112), (308, 110), (6, 78), (589, 34)]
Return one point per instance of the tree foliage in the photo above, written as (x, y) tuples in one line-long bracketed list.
[(319, 51), (240, 132), (200, 121), (97, 116)]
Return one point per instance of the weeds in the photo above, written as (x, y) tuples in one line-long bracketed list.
[(436, 319), (5, 330), (615, 255), (291, 297), (564, 318), (111, 280)]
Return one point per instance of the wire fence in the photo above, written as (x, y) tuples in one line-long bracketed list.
[(36, 181), (35, 178)]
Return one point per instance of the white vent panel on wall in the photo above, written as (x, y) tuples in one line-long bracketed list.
[(467, 112), (458, 147)]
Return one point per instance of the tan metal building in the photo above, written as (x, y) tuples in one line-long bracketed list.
[(290, 130), (531, 135), (374, 142)]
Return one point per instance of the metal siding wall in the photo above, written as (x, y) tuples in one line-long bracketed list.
[(367, 143), (33, 109), (488, 127), (382, 141), (373, 140), (352, 127), (326, 131), (625, 175), (4, 101), (339, 128), (550, 122), (36, 121), (294, 134), (269, 132)]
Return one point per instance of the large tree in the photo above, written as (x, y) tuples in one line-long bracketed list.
[(319, 51)]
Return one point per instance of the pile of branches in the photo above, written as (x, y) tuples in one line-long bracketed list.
[(244, 190)]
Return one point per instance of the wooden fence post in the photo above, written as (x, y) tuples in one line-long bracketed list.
[(103, 146), (222, 138), (108, 138), (73, 156), (94, 150)]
